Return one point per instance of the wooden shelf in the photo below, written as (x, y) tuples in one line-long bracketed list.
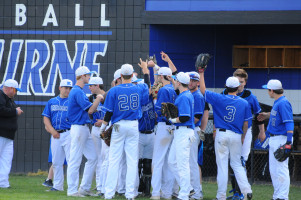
[(266, 56)]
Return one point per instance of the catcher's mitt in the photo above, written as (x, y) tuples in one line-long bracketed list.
[(153, 58), (155, 89), (106, 135), (283, 152), (169, 110), (201, 62)]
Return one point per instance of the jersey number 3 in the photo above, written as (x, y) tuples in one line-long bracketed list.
[(125, 104), (231, 114)]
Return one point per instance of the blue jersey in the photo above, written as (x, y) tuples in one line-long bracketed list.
[(281, 113), (199, 105), (229, 111), (185, 105), (78, 106), (148, 119), (166, 94), (56, 110), (125, 101), (99, 114), (253, 103)]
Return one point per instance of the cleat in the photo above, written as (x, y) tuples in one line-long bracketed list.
[(86, 192), (48, 183), (75, 195)]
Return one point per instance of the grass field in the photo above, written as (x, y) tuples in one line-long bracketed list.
[(30, 187)]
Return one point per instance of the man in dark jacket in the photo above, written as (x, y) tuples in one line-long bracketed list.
[(9, 113)]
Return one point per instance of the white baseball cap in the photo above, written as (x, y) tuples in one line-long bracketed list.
[(12, 83), (164, 71), (135, 79), (127, 69), (273, 84), (117, 74), (95, 81), (232, 82), (82, 71), (183, 78), (66, 83), (194, 76)]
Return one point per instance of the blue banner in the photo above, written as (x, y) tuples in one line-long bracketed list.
[(222, 5)]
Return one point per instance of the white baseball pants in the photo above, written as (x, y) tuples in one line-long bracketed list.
[(60, 149), (179, 160), (81, 143), (246, 146), (125, 139), (279, 170), (105, 165), (162, 178), (194, 166), (122, 175), (226, 143), (6, 157), (146, 145), (95, 132)]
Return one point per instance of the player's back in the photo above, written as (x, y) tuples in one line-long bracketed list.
[(124, 101), (229, 111)]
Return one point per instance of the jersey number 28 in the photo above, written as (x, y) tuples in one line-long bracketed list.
[(128, 102)]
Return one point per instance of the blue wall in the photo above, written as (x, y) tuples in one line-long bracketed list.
[(221, 5), (183, 44)]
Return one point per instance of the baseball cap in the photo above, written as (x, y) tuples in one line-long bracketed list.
[(194, 76), (273, 84), (232, 82), (12, 83), (95, 81), (165, 71), (183, 78), (127, 69), (117, 74), (135, 79), (82, 71), (66, 83)]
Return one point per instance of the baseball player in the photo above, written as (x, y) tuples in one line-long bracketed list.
[(280, 129), (179, 154), (199, 104), (162, 178), (9, 113), (56, 123), (96, 87), (246, 94), (231, 115), (81, 141), (146, 140), (123, 109)]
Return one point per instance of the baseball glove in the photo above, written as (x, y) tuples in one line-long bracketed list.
[(169, 110), (155, 89), (283, 152), (201, 62), (106, 135)]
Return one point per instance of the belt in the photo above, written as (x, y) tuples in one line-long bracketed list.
[(222, 130), (147, 132), (177, 127), (62, 131), (83, 124), (275, 134), (167, 123)]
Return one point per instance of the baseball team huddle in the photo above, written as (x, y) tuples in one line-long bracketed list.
[(137, 142)]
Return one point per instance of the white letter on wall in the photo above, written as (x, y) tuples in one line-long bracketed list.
[(103, 21), (78, 21), (20, 14), (50, 16)]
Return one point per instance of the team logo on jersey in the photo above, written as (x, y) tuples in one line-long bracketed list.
[(58, 108)]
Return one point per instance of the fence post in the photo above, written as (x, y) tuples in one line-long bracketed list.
[(252, 166)]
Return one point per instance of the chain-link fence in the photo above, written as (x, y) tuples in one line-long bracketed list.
[(258, 162)]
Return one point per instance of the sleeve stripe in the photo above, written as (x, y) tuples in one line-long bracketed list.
[(288, 120), (88, 106), (198, 113), (258, 111), (248, 118), (106, 109), (43, 114), (184, 115)]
